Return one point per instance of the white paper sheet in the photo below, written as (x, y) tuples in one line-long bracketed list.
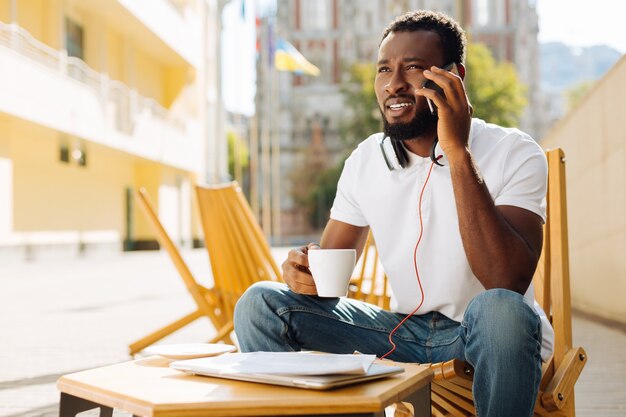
[(287, 363)]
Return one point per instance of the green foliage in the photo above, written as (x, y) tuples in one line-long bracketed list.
[(493, 88), (360, 97), (236, 143), (314, 184), (313, 187), (574, 95), (322, 195), (302, 179)]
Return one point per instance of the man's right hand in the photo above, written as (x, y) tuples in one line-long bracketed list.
[(296, 272)]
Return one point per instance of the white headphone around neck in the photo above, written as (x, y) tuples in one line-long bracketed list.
[(396, 156)]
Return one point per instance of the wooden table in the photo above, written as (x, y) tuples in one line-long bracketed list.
[(148, 387)]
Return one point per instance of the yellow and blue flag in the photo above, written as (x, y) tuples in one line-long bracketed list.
[(288, 58)]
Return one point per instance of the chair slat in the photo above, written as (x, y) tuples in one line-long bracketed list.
[(457, 389), (559, 263), (213, 223), (239, 251), (437, 410), (371, 284), (256, 256), (459, 401), (258, 237), (448, 406)]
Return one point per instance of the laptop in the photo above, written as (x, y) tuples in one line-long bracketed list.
[(203, 367)]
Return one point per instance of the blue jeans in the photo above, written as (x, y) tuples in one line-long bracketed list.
[(500, 336)]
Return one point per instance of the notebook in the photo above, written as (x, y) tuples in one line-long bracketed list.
[(231, 367)]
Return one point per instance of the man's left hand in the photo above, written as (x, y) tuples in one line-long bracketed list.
[(454, 110)]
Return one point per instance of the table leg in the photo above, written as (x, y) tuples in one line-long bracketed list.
[(71, 405), (420, 400)]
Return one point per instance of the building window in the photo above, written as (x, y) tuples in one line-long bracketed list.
[(74, 39), (64, 153), (316, 15), (482, 12)]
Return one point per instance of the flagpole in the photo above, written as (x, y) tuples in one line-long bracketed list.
[(254, 123), (237, 168), (276, 212), (254, 164), (285, 57), (265, 132)]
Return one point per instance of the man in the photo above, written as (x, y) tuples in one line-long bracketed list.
[(478, 219)]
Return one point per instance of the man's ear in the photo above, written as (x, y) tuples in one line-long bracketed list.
[(461, 69)]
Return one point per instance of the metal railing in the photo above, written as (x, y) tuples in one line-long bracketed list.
[(128, 105)]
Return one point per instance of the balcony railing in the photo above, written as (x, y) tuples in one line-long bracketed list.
[(127, 104)]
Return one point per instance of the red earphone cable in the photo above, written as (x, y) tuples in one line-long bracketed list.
[(417, 274)]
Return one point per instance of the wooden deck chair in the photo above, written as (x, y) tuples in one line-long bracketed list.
[(451, 389), (452, 385), (238, 250), (206, 299)]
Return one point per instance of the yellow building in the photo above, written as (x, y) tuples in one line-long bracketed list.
[(594, 140), (97, 98)]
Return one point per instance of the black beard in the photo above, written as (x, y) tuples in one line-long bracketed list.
[(421, 123)]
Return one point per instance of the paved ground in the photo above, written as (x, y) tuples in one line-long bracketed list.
[(62, 315)]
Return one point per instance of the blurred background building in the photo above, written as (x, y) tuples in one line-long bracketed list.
[(100, 97)]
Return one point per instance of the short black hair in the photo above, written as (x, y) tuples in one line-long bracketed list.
[(453, 39)]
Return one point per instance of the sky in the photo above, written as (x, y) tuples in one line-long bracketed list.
[(239, 57), (583, 22)]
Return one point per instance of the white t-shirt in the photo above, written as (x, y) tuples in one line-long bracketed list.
[(368, 194)]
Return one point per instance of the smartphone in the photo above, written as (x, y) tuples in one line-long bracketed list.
[(433, 86)]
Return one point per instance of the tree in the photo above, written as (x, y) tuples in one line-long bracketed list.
[(314, 190), (237, 152), (314, 180), (493, 88), (360, 97), (315, 183)]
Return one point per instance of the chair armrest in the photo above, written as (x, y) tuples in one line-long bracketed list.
[(561, 385), (455, 371)]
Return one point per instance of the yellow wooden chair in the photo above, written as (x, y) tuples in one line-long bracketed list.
[(452, 385), (238, 253), (206, 299), (238, 250)]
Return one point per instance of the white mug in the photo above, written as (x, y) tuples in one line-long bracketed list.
[(332, 270)]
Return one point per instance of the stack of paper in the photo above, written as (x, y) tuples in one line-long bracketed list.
[(288, 363), (318, 371)]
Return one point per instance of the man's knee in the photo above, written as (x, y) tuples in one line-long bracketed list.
[(503, 335), (503, 316), (257, 320), (254, 301)]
